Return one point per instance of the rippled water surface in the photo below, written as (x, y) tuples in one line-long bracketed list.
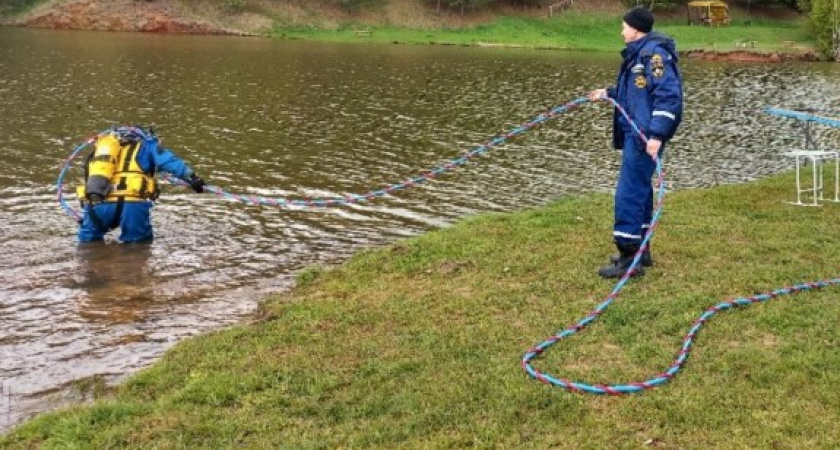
[(297, 119)]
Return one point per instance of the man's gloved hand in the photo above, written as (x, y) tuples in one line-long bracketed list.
[(196, 183)]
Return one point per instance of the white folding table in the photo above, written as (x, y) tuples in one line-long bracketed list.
[(816, 158)]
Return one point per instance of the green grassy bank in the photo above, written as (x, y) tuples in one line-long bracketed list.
[(575, 31), (418, 344), (14, 7)]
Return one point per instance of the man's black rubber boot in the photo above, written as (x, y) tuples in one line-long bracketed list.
[(618, 268), (646, 260)]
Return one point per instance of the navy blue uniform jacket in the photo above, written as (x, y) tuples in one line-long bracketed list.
[(649, 88)]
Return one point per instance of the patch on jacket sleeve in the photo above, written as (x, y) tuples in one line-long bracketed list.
[(657, 65)]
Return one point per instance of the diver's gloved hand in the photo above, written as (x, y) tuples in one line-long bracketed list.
[(196, 183)]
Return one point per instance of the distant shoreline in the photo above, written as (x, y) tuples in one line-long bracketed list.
[(778, 41)]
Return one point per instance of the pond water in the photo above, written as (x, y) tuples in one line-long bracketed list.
[(301, 119)]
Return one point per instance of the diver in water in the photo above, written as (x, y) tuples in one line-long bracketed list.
[(120, 186)]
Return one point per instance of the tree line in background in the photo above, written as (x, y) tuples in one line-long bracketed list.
[(824, 20)]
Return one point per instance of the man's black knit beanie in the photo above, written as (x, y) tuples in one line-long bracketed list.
[(639, 18)]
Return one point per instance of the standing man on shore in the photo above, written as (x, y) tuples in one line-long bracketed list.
[(649, 88)]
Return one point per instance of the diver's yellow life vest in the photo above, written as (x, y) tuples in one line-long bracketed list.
[(113, 173)]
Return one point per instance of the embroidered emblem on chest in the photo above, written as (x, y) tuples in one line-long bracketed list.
[(640, 81)]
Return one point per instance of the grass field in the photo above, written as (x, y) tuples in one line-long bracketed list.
[(573, 31)]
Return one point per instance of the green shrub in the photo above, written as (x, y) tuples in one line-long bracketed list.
[(824, 21)]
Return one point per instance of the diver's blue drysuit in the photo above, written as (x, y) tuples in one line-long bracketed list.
[(133, 216)]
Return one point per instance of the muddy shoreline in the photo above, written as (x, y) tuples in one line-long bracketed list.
[(118, 15), (745, 56)]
